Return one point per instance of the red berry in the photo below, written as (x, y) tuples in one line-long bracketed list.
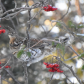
[(51, 70), (0, 25), (7, 66), (50, 7), (3, 30), (47, 66), (56, 65), (51, 65), (45, 63), (58, 70), (0, 67), (0, 31), (61, 71), (45, 8), (54, 9), (0, 62), (55, 68)]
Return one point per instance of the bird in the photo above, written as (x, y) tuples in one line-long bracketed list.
[(16, 40), (67, 39)]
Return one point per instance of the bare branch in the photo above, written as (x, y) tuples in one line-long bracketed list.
[(70, 68)]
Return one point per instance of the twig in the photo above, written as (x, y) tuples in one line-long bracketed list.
[(10, 73), (27, 30), (68, 79), (44, 39), (9, 18), (0, 78), (64, 25), (75, 52), (67, 10), (6, 63), (21, 9), (61, 17), (70, 68), (51, 79), (70, 58), (28, 22), (25, 73)]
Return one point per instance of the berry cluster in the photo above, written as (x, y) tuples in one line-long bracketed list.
[(7, 66), (53, 67), (49, 8), (2, 31)]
